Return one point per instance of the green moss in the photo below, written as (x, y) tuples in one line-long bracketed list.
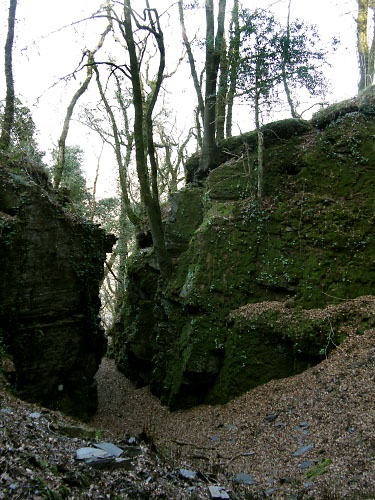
[(319, 469), (310, 242), (185, 215), (364, 103), (253, 356)]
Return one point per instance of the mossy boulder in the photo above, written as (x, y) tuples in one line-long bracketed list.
[(274, 339), (307, 244)]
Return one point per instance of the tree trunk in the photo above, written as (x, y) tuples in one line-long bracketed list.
[(222, 94), (288, 94), (158, 35), (62, 140), (69, 112), (151, 206), (260, 147), (197, 86), (133, 217), (209, 155), (122, 251), (8, 117), (365, 57), (283, 68), (234, 56), (93, 199), (199, 128)]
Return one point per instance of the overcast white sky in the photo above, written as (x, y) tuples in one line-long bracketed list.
[(42, 55)]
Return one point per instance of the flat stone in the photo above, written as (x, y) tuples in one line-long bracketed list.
[(218, 492), (243, 479), (87, 452), (35, 414), (188, 474), (305, 465), (303, 450), (287, 480), (280, 425), (271, 417), (110, 448)]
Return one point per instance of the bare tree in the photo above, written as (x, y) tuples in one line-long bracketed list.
[(284, 70), (197, 85), (174, 154), (143, 137), (122, 162), (8, 117), (69, 112), (233, 56)]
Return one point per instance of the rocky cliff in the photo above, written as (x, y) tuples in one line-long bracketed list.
[(51, 266), (249, 298)]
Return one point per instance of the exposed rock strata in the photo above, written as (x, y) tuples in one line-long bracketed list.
[(309, 243), (51, 266)]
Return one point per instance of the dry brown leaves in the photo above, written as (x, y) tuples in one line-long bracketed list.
[(330, 406)]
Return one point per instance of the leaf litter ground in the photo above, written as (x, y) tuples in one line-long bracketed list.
[(311, 436)]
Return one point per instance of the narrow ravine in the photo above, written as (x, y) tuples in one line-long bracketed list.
[(311, 434)]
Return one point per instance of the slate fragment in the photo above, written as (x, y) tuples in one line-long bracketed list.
[(188, 474), (271, 417), (35, 415), (243, 479), (218, 492), (110, 448), (87, 453), (303, 450), (305, 465)]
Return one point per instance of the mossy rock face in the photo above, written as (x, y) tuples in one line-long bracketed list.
[(364, 103), (309, 243), (134, 334), (51, 267), (273, 133), (184, 216)]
